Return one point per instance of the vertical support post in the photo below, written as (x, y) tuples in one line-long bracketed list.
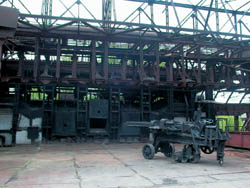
[(106, 11), (240, 29), (152, 13), (195, 21), (236, 123), (171, 103), (74, 66), (20, 64), (210, 73), (229, 79), (58, 64), (183, 70), (141, 71), (1, 54), (236, 25), (199, 65), (210, 107), (170, 72), (167, 15), (135, 65), (157, 62), (36, 68), (106, 63), (93, 61), (217, 17), (124, 68)]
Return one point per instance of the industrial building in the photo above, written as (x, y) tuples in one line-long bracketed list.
[(78, 70)]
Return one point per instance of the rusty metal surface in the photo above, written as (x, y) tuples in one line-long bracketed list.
[(239, 139)]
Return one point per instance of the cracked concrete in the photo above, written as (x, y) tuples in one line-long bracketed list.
[(112, 166)]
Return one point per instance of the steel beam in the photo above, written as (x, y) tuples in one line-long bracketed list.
[(190, 6), (20, 64), (124, 68), (176, 29), (58, 55), (1, 55), (105, 62), (93, 61), (157, 63), (141, 63), (74, 66), (236, 123), (36, 68), (170, 73)]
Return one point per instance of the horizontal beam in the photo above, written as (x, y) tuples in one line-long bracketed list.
[(175, 29), (195, 7)]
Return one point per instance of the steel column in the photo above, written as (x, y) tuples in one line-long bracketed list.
[(170, 76), (58, 64), (157, 62), (124, 68), (1, 54), (20, 64), (236, 123), (106, 61), (93, 61), (198, 51), (167, 15), (74, 66), (141, 64), (36, 68)]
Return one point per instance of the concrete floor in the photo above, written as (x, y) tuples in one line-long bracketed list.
[(115, 165)]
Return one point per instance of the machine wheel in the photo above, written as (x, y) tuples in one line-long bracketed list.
[(221, 162), (207, 149), (168, 149), (148, 151)]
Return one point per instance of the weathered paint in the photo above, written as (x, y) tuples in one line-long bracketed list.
[(239, 139)]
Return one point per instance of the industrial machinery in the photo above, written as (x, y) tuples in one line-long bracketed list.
[(91, 70), (201, 134)]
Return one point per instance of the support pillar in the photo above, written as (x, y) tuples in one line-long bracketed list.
[(157, 62), (141, 69), (124, 68), (199, 66), (105, 63), (58, 64), (36, 70), (93, 61), (236, 123), (74, 66), (210, 107), (170, 76), (167, 15), (183, 69), (171, 103), (20, 64), (1, 54)]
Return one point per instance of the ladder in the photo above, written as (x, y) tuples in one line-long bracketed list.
[(145, 104), (15, 118), (114, 115), (48, 110), (82, 111)]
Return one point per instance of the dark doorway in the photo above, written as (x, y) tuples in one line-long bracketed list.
[(98, 123)]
